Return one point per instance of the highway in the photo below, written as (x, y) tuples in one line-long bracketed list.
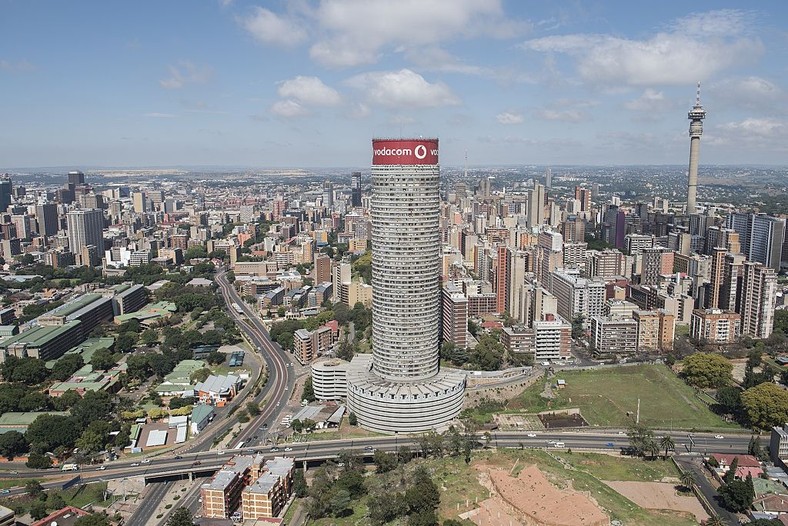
[(320, 450), (280, 380)]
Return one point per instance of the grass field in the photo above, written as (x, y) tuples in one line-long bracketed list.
[(604, 397), (458, 483)]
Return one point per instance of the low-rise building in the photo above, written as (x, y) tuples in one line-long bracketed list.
[(778, 444), (129, 298), (218, 390), (715, 325), (222, 495), (613, 336), (266, 496), (329, 379), (552, 339), (44, 342)]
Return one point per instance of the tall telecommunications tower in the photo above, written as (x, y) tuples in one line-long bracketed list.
[(696, 116)]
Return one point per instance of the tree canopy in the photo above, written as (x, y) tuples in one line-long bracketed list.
[(765, 405), (707, 370)]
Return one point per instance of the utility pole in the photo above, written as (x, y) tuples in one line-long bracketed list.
[(637, 415)]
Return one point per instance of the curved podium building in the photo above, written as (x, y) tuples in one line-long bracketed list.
[(400, 388)]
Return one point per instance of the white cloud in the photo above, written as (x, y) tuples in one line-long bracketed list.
[(690, 50), (357, 31), (765, 127), (436, 59), (509, 118), (650, 100), (403, 89), (751, 93), (186, 73), (309, 91), (269, 28), (157, 115), (288, 108), (560, 115)]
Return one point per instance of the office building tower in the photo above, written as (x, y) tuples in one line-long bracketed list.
[(502, 261), (717, 277), (322, 269), (536, 196), (46, 219), (401, 388), (762, 237), (696, 116), (75, 178), (85, 228), (759, 299), (576, 296), (548, 178), (583, 195), (328, 194), (5, 193), (655, 262), (355, 189), (454, 317), (140, 202), (730, 288)]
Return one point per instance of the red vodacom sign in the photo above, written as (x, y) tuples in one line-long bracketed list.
[(404, 151)]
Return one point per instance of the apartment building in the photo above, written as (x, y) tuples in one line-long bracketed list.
[(715, 325), (614, 336)]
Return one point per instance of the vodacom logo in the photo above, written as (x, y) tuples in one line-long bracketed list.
[(420, 151)]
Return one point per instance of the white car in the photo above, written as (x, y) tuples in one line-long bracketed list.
[(102, 468), (145, 461), (719, 437), (288, 449), (531, 435)]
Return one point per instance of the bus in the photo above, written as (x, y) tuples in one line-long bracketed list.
[(237, 308)]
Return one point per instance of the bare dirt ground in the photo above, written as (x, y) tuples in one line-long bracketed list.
[(530, 499), (658, 496)]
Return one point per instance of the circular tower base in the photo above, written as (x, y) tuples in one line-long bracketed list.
[(408, 407)]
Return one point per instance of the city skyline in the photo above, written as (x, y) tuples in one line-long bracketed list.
[(305, 84)]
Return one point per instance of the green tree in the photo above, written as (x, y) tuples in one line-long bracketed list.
[(66, 366), (34, 401), (48, 432), (707, 370), (729, 399), (641, 439), (94, 519), (765, 405), (666, 443), (309, 392), (422, 497), (687, 479), (253, 408), (299, 483), (737, 495), (180, 517), (38, 461), (12, 444), (149, 337), (126, 342), (95, 405), (30, 371), (38, 510), (103, 360), (384, 462), (352, 419), (34, 488)]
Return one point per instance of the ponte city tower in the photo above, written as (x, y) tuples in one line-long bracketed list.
[(696, 116), (400, 388)]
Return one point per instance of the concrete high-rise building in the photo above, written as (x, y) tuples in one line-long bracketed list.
[(759, 299), (583, 195), (730, 289), (355, 189), (76, 178), (322, 269), (328, 194), (46, 218), (614, 335), (696, 116), (655, 262), (401, 389), (717, 277), (762, 237), (5, 193), (503, 257), (454, 321), (140, 202), (85, 228), (548, 178), (535, 215)]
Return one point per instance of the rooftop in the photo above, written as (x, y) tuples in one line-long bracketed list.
[(39, 335)]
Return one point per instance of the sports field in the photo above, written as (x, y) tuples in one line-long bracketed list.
[(605, 396)]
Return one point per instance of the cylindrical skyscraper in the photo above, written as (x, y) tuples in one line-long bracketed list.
[(406, 246), (401, 388), (696, 116)]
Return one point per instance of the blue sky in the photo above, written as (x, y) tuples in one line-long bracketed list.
[(308, 83)]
